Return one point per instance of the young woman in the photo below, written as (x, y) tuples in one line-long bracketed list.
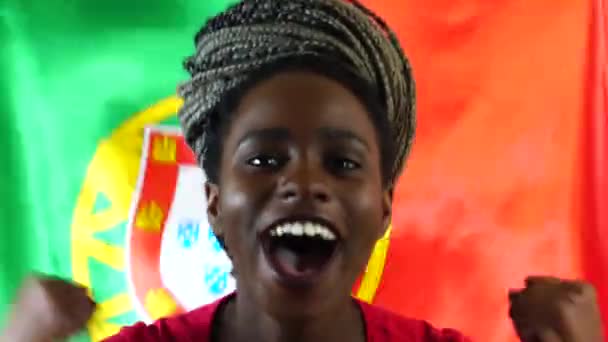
[(301, 114)]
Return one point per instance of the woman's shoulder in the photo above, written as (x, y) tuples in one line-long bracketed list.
[(387, 326), (194, 325)]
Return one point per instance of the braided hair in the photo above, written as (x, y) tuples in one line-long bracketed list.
[(239, 46)]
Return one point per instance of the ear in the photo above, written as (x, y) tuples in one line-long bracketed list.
[(387, 209), (212, 193)]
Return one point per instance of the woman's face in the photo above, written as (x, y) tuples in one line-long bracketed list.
[(300, 201)]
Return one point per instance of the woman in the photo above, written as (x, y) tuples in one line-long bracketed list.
[(301, 114)]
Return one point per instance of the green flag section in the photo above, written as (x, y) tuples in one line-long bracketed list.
[(505, 179), (74, 73)]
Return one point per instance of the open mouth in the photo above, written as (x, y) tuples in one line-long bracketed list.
[(299, 251)]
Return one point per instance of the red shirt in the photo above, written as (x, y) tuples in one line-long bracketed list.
[(196, 325)]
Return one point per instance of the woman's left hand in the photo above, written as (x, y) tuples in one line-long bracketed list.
[(554, 310)]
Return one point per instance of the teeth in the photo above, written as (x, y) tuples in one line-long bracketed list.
[(309, 229), (303, 228), (297, 229)]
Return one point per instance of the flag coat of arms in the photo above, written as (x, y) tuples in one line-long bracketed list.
[(174, 261)]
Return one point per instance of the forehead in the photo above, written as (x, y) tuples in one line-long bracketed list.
[(299, 101)]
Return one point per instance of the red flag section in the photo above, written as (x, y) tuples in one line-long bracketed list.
[(510, 93), (595, 216)]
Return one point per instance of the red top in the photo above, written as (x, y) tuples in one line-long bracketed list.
[(381, 326)]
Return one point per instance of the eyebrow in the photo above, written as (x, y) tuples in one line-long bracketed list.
[(282, 134), (269, 134), (331, 133)]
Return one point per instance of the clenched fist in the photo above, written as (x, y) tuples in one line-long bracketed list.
[(48, 309), (554, 310)]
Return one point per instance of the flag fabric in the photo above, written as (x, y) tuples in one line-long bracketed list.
[(506, 178), (596, 156), (76, 77), (504, 181)]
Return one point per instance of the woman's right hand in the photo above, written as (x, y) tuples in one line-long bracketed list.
[(48, 309)]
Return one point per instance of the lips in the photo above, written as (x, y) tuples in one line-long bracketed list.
[(300, 250)]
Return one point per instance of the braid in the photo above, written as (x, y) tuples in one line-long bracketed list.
[(254, 34)]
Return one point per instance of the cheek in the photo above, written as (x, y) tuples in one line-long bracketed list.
[(365, 217), (233, 199), (236, 215), (240, 206), (366, 213)]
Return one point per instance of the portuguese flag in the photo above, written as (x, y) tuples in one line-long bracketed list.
[(507, 177)]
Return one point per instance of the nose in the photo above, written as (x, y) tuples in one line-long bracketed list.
[(304, 182)]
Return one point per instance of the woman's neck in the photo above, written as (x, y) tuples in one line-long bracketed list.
[(241, 320)]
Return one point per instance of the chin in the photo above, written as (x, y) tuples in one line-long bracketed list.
[(293, 307)]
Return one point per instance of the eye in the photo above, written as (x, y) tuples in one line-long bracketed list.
[(341, 164), (266, 162)]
